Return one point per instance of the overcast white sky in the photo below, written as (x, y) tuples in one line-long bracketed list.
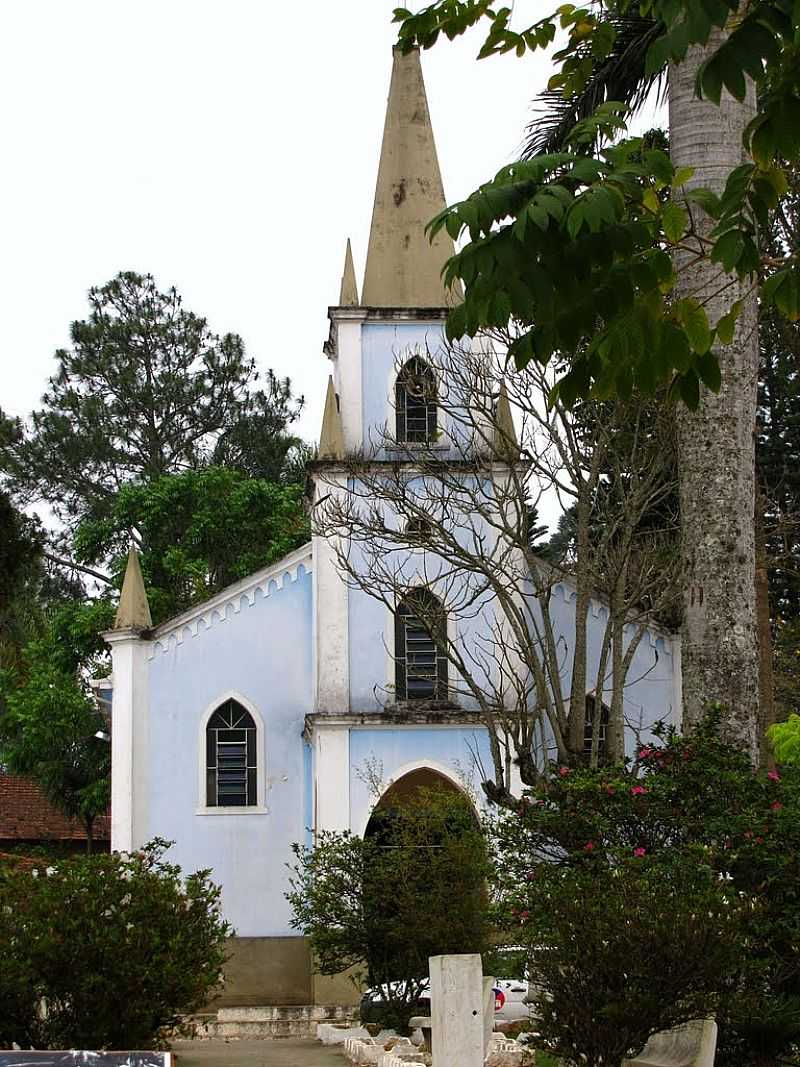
[(227, 147)]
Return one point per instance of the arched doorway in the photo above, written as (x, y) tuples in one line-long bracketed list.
[(424, 883), (416, 787)]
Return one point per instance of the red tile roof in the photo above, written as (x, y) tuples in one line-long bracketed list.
[(27, 815)]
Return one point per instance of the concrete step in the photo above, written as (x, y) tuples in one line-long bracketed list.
[(273, 1020)]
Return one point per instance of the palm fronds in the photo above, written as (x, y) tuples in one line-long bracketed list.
[(619, 77)]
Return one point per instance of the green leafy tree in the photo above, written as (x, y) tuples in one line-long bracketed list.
[(578, 255), (384, 903), (50, 719), (146, 389), (721, 841), (197, 532), (20, 562), (120, 948)]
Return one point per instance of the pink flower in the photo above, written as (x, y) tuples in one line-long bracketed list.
[(645, 751), (639, 852), (776, 806), (638, 790), (773, 776), (589, 846), (563, 771), (610, 790), (759, 840), (523, 915)]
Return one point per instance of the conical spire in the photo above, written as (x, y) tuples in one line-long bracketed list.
[(348, 294), (403, 267), (506, 444), (133, 612), (331, 438)]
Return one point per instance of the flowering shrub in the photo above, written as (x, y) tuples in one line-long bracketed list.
[(117, 947), (671, 889)]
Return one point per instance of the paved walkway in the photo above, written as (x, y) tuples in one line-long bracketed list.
[(278, 1052)]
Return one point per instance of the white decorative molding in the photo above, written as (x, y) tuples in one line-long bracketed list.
[(230, 601), (260, 807)]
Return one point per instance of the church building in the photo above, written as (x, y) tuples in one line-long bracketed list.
[(276, 709)]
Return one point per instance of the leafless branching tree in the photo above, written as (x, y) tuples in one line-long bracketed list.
[(448, 502)]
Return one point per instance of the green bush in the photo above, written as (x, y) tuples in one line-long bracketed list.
[(653, 893), (384, 903), (114, 947)]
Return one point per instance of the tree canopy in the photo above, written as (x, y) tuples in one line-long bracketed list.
[(145, 390), (196, 532), (574, 246)]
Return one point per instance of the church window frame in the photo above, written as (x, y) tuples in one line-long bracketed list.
[(418, 656), (254, 765), (416, 396), (588, 727)]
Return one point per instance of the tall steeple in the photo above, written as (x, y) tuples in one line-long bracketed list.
[(403, 267)]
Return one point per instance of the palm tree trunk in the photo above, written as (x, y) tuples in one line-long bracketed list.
[(766, 682), (716, 442)]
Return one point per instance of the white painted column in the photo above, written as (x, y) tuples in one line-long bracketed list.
[(457, 1010), (332, 777), (348, 376), (129, 710), (332, 644), (331, 624)]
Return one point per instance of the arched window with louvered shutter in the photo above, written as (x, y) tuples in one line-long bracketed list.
[(415, 403), (420, 665), (592, 705), (231, 757)]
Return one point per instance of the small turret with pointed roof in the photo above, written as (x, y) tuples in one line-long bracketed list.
[(403, 266), (331, 438), (133, 612), (348, 294)]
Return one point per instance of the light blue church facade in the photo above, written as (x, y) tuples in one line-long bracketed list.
[(271, 712)]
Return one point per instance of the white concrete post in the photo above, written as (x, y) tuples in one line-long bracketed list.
[(457, 1010)]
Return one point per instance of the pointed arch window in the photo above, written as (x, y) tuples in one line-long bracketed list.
[(420, 666), (415, 403), (231, 757), (592, 705)]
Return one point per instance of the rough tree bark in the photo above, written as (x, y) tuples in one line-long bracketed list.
[(716, 442)]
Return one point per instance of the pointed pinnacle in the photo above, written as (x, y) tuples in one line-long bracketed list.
[(348, 294), (133, 611), (331, 438)]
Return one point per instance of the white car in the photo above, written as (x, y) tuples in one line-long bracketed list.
[(509, 1000)]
